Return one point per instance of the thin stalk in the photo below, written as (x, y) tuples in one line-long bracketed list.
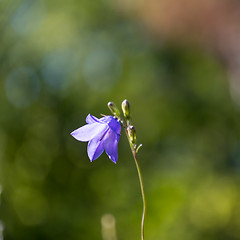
[(133, 148), (142, 191)]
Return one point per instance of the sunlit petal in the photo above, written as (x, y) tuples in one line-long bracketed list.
[(111, 145), (89, 131), (91, 119), (95, 149)]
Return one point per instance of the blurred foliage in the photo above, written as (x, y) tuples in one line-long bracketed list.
[(59, 61)]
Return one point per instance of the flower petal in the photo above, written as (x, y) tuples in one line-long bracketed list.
[(89, 131), (95, 149), (110, 142), (112, 122), (106, 119), (115, 125), (91, 119)]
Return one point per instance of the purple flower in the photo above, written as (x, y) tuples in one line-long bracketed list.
[(101, 134)]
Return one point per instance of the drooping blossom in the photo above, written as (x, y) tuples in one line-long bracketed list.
[(101, 134)]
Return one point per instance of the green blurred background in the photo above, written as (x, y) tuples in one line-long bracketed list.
[(59, 61)]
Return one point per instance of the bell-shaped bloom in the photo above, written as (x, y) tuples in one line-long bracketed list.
[(101, 134)]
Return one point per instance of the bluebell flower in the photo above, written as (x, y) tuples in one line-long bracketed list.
[(101, 134)]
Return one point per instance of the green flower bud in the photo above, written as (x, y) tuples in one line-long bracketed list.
[(126, 109), (113, 108), (132, 134)]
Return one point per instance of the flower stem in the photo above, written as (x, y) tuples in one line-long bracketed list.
[(142, 191), (134, 153)]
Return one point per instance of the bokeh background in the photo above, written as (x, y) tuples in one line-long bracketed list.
[(176, 61)]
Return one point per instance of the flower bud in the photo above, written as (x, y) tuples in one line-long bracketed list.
[(113, 108), (126, 109), (132, 134)]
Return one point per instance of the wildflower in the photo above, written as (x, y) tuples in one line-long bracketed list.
[(101, 134)]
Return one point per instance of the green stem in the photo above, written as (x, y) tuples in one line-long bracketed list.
[(133, 148), (142, 191)]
